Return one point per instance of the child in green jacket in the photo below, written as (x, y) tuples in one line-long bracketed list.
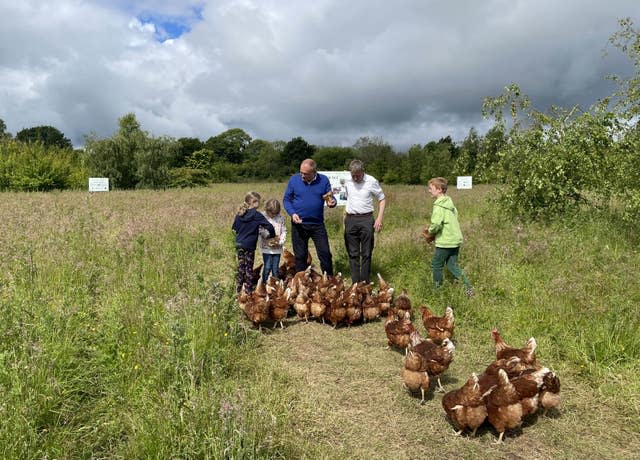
[(448, 237)]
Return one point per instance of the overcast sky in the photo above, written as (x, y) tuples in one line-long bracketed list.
[(331, 71)]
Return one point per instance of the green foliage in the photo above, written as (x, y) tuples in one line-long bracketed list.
[(33, 167), (188, 145), (376, 154), (294, 152), (131, 158), (333, 158), (264, 161), (47, 135), (229, 145), (153, 158), (438, 161), (4, 135), (187, 177)]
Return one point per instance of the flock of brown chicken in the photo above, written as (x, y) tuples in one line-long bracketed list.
[(513, 386)]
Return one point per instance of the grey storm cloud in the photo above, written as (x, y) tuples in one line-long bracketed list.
[(409, 71)]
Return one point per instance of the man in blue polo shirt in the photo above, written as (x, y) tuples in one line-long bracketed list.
[(304, 202)]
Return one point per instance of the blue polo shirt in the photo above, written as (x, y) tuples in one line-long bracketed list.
[(305, 200)]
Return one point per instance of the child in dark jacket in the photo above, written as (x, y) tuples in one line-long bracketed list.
[(246, 225)]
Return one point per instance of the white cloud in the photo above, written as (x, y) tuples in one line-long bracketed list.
[(328, 71)]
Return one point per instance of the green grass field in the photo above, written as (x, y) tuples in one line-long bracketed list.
[(120, 336)]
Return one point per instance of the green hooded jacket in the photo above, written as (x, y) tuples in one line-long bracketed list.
[(444, 223)]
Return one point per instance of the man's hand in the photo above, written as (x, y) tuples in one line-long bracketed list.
[(377, 225), (296, 219)]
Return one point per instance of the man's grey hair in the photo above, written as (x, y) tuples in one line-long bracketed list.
[(356, 166)]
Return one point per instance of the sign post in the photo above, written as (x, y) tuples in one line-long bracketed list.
[(464, 182), (98, 184)]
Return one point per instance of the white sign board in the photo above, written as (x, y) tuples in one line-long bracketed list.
[(98, 184), (337, 179), (464, 182)]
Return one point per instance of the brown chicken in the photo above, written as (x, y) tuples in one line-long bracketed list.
[(549, 397), (317, 307), (279, 307), (436, 358), (438, 327), (504, 410), (302, 302), (415, 380), (402, 303), (258, 305), (336, 312), (384, 297), (465, 406), (398, 330), (512, 366), (527, 354), (370, 310)]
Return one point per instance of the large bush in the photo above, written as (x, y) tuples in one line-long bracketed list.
[(33, 167)]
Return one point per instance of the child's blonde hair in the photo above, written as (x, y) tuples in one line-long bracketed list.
[(272, 206), (440, 183), (250, 199)]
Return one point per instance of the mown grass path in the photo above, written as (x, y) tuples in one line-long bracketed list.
[(347, 401)]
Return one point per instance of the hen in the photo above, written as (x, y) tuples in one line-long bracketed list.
[(384, 297), (512, 366), (398, 330), (336, 311), (438, 327), (504, 410), (317, 307), (435, 359), (279, 307), (402, 303), (465, 406), (370, 310), (415, 380), (527, 354), (549, 392)]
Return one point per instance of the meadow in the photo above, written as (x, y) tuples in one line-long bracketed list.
[(120, 336)]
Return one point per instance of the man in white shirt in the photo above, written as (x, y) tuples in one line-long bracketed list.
[(359, 224)]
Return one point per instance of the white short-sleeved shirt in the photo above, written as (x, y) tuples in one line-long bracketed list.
[(360, 194)]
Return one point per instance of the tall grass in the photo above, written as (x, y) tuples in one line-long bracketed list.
[(120, 338)]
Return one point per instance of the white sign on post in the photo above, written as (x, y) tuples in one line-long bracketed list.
[(337, 179), (98, 184), (464, 182)]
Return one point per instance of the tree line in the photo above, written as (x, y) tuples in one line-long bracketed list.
[(544, 163), (132, 158)]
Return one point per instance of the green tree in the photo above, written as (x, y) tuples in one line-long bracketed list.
[(295, 151), (469, 151), (153, 159), (437, 161), (4, 135), (34, 167), (263, 161), (48, 135), (377, 155), (229, 145), (188, 145), (333, 158), (115, 157), (131, 158)]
